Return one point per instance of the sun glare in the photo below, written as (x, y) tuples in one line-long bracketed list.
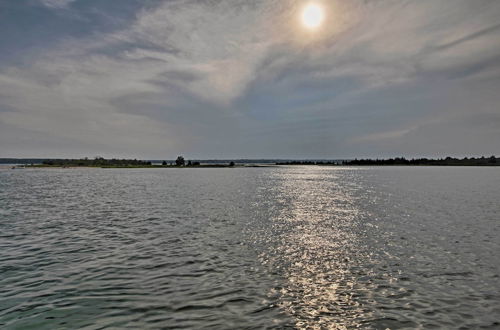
[(312, 16)]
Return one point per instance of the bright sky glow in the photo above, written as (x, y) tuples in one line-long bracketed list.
[(312, 16)]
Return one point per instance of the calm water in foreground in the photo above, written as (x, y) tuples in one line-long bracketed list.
[(290, 247)]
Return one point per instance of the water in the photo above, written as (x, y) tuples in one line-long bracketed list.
[(289, 247)]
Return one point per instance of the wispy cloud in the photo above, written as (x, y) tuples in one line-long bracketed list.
[(235, 77), (57, 3)]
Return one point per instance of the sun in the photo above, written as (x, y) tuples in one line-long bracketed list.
[(312, 16)]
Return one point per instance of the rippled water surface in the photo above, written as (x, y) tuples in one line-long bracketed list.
[(290, 247)]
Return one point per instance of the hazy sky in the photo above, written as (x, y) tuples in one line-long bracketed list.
[(224, 79)]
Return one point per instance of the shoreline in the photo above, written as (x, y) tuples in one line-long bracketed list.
[(132, 167), (237, 166)]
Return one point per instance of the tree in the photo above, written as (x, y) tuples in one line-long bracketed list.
[(180, 161), (231, 164), (164, 163)]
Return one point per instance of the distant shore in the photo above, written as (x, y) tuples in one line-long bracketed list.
[(20, 166), (180, 162), (401, 161), (136, 166)]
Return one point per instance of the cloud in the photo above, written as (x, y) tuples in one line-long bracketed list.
[(243, 79), (57, 4), (384, 135)]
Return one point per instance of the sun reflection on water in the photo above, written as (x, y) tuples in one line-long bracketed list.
[(314, 241)]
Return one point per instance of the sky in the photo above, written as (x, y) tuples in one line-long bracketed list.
[(154, 79)]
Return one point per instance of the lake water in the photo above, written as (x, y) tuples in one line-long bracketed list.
[(289, 247)]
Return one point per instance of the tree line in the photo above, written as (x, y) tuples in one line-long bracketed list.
[(102, 162), (448, 161), (97, 161)]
